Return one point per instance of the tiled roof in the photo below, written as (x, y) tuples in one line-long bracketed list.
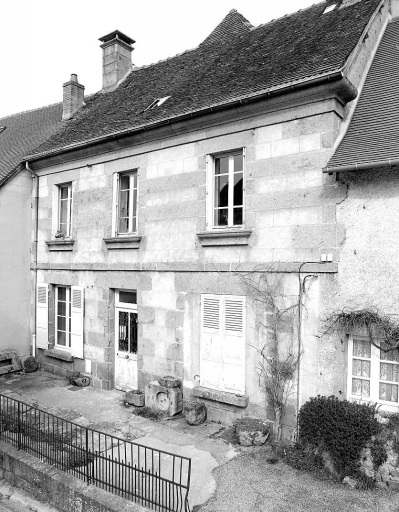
[(22, 133), (239, 64), (373, 135)]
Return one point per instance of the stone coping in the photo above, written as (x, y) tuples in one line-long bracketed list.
[(222, 237), (59, 354), (221, 396), (123, 242), (60, 245)]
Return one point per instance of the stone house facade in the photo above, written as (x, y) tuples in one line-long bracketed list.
[(179, 179)]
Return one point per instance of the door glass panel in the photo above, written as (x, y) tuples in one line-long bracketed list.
[(133, 333), (123, 336), (362, 348), (128, 297)]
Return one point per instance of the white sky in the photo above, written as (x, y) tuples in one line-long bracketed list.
[(43, 41)]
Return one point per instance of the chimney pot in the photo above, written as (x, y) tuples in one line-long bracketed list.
[(117, 60), (73, 97)]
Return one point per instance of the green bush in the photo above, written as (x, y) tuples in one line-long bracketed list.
[(339, 427)]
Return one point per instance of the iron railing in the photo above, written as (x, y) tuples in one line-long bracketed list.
[(153, 478)]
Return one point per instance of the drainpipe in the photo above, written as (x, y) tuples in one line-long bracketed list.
[(36, 230)]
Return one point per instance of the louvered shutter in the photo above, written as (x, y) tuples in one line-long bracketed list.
[(233, 348), (42, 315), (211, 341), (77, 301)]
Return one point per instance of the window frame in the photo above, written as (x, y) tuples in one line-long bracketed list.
[(133, 213), (374, 379), (69, 209), (68, 318), (211, 190)]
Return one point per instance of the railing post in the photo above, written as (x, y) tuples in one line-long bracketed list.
[(19, 425), (87, 456)]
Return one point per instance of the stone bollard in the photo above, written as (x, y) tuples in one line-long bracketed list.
[(195, 413)]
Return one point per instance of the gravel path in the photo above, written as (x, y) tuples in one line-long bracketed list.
[(249, 484)]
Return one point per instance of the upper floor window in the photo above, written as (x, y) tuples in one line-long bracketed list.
[(126, 203), (227, 172), (373, 374), (64, 209)]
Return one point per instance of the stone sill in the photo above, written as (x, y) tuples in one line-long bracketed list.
[(60, 245), (59, 354), (123, 242), (221, 396), (222, 237)]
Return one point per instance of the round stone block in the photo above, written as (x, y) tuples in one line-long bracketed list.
[(169, 382), (195, 413)]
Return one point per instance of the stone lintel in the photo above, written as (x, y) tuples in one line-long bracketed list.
[(221, 396)]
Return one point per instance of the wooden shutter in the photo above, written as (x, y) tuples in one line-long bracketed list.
[(211, 341), (42, 315), (77, 301), (233, 358), (115, 215)]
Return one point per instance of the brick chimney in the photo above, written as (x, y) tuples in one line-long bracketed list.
[(73, 97), (117, 59)]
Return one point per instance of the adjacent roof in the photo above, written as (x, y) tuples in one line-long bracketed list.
[(234, 63), (372, 139), (22, 133)]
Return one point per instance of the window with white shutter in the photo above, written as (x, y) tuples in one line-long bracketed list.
[(77, 303), (42, 315), (223, 343)]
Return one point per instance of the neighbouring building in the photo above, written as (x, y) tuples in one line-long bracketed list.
[(177, 181), (19, 134)]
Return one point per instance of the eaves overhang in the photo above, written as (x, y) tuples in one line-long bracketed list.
[(345, 92)]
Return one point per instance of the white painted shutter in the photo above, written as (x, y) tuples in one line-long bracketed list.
[(115, 191), (211, 341), (42, 315), (233, 349), (77, 301)]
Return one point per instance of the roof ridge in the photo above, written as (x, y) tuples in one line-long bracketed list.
[(145, 66), (31, 110), (275, 20)]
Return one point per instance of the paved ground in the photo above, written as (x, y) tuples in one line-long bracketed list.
[(105, 411)]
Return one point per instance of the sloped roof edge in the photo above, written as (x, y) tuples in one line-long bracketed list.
[(273, 91)]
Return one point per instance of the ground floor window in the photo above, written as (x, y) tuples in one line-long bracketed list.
[(373, 374), (222, 365), (63, 316)]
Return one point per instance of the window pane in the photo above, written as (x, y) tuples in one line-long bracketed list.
[(61, 338), (362, 348), (238, 163), (63, 212), (123, 343), (238, 192), (389, 372), (63, 192), (237, 220), (221, 191), (388, 392), (123, 226), (135, 179), (61, 323), (133, 333), (392, 355), (361, 368), (61, 293), (61, 308), (128, 297), (360, 387), (124, 182), (124, 204), (221, 217), (222, 165)]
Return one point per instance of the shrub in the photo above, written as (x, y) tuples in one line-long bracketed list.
[(339, 427)]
